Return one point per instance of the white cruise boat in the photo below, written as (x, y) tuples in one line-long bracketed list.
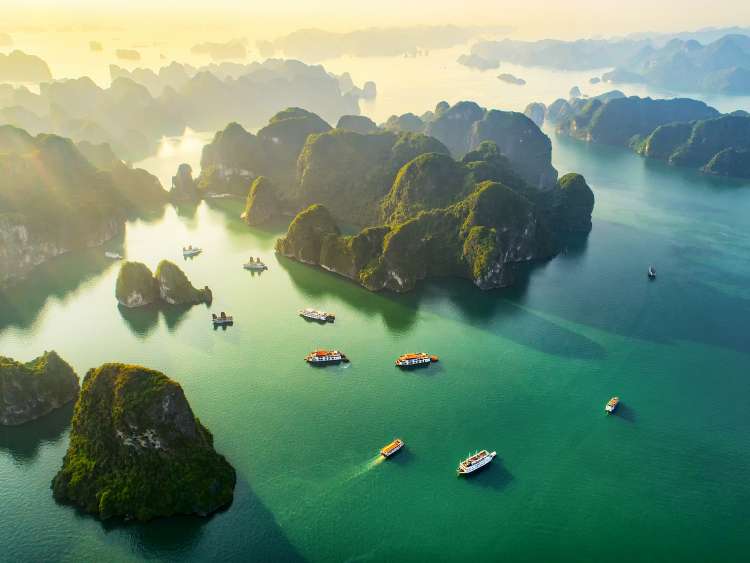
[(189, 251), (113, 255), (315, 315), (475, 462), (612, 405), (325, 357), (254, 265), (415, 360), (222, 319)]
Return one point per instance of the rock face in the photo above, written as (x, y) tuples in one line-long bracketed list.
[(263, 204), (306, 234), (138, 452), (176, 289), (184, 187), (17, 66), (138, 287), (535, 111), (31, 390)]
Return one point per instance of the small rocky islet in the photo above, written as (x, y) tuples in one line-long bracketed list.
[(138, 452), (33, 389), (137, 286)]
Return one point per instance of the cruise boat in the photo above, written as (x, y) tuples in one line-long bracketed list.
[(651, 272), (612, 405), (415, 360), (392, 448), (315, 315), (325, 357), (475, 462), (113, 255), (222, 319), (190, 251), (255, 265)]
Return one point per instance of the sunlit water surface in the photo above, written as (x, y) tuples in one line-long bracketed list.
[(524, 371)]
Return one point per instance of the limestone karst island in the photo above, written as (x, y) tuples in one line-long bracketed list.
[(399, 281)]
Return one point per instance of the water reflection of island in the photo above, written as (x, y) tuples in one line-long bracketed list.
[(143, 320), (21, 304), (23, 442)]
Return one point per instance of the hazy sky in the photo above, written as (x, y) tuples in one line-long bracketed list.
[(268, 18)]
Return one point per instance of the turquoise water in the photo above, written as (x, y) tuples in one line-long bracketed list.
[(524, 371)]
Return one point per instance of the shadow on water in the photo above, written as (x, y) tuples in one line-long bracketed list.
[(404, 457), (143, 320), (186, 209), (625, 412), (494, 476), (197, 538), (23, 442), (20, 304), (398, 312)]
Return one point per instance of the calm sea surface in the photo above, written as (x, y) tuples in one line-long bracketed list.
[(524, 371)]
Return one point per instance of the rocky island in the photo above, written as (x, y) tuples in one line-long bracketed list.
[(680, 131), (137, 451), (31, 390), (138, 287), (474, 218), (511, 79), (56, 197), (474, 194)]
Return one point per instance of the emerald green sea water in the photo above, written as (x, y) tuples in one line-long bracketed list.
[(524, 371)]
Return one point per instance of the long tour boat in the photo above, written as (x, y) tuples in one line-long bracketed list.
[(222, 319), (315, 315), (475, 462), (392, 448), (612, 405), (325, 357), (415, 360)]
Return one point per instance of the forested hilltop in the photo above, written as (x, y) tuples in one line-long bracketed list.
[(459, 191), (680, 131)]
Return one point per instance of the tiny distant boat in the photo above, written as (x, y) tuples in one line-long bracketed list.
[(612, 405), (392, 448), (222, 319), (326, 357), (255, 265), (651, 272), (113, 255), (415, 360), (189, 251), (315, 315), (475, 462)]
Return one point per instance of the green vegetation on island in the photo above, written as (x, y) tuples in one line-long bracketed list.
[(31, 390), (474, 218), (56, 197), (136, 286), (262, 205), (138, 452)]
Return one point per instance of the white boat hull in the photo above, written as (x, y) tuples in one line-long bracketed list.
[(465, 470)]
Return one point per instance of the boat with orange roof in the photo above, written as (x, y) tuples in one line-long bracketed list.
[(325, 357), (392, 448), (612, 405), (415, 360)]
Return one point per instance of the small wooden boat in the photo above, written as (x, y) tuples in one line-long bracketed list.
[(222, 319)]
